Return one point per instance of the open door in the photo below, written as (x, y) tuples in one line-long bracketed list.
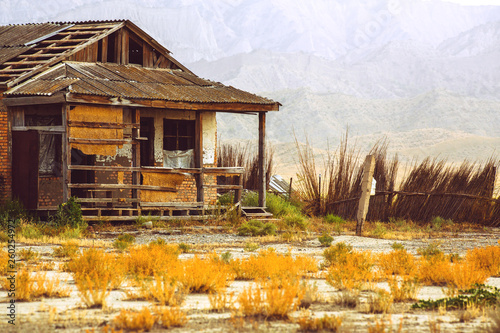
[(25, 156)]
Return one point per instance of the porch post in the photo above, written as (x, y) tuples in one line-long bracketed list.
[(262, 159), (198, 155)]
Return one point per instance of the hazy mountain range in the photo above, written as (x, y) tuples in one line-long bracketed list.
[(425, 74)]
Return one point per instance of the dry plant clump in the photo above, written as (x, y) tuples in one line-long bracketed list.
[(354, 271), (271, 299), (67, 249), (162, 289), (269, 264), (169, 317), (135, 321), (221, 301), (31, 286), (151, 259), (322, 324), (487, 258), (379, 301), (397, 262), (96, 273), (205, 275), (404, 289)]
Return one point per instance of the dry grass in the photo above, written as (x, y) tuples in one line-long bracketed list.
[(322, 324), (379, 301), (67, 249), (355, 271), (486, 258), (397, 262), (272, 299), (269, 264), (151, 259), (95, 273), (32, 286), (404, 289), (169, 317), (205, 275), (135, 321), (221, 301), (162, 289)]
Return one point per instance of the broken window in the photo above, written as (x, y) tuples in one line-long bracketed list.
[(50, 162), (134, 52), (178, 143)]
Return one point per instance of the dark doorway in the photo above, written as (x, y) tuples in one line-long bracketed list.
[(25, 154), (147, 144)]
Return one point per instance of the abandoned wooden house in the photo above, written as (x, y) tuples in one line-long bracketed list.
[(103, 112)]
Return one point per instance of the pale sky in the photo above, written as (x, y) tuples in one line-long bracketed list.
[(476, 2)]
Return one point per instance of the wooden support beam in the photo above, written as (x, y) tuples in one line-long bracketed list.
[(262, 159), (104, 49), (136, 157), (125, 47), (36, 100), (198, 155), (66, 154), (366, 186), (124, 187)]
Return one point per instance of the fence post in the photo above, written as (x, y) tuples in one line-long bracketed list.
[(366, 185)]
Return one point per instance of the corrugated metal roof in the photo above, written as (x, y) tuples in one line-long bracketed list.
[(130, 81), (19, 35), (7, 53)]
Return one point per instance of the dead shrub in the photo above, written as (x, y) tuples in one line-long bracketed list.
[(95, 273), (154, 258), (322, 324), (355, 272), (135, 321), (205, 275), (404, 289), (171, 317), (272, 299), (486, 258), (269, 264), (397, 262)]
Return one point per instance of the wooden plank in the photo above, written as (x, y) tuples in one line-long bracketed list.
[(136, 154), (50, 129), (173, 205), (171, 170), (67, 156), (102, 168), (123, 186), (198, 155), (64, 153), (223, 170), (125, 47), (90, 124), (225, 187), (107, 200), (104, 51), (366, 185), (262, 159), (238, 192), (101, 141), (61, 41)]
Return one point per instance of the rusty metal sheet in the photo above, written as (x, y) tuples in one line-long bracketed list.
[(193, 78), (40, 87), (128, 81)]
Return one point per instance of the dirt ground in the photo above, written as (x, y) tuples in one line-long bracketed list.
[(69, 315)]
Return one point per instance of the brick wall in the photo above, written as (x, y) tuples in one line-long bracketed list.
[(5, 157), (50, 192)]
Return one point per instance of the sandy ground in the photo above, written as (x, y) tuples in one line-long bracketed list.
[(69, 315)]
